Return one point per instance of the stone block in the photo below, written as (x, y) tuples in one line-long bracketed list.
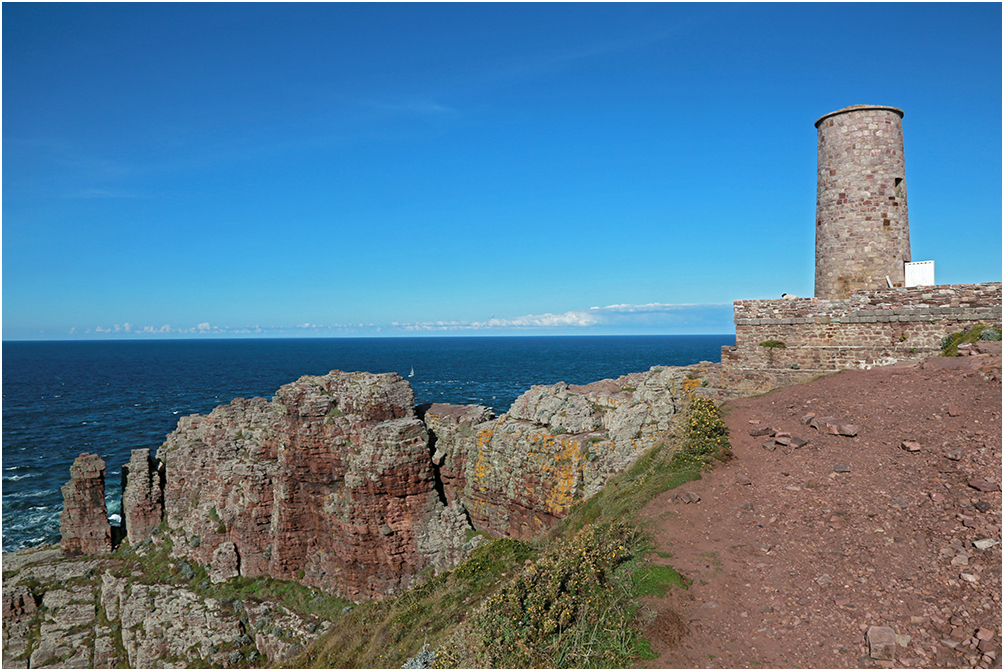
[(881, 643)]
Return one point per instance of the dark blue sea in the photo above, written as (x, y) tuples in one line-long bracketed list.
[(110, 397)]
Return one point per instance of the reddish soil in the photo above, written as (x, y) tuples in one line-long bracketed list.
[(844, 533)]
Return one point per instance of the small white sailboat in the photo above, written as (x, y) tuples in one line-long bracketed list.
[(412, 373)]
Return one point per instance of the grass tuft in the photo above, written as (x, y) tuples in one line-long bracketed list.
[(950, 343)]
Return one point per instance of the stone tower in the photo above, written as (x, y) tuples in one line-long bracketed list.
[(862, 227)]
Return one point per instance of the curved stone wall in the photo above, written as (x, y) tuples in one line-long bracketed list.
[(862, 224)]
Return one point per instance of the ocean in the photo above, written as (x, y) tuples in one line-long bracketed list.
[(110, 397)]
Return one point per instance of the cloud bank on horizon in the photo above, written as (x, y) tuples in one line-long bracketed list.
[(612, 319)]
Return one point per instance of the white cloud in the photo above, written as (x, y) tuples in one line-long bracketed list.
[(547, 320), (709, 317), (622, 315), (626, 308)]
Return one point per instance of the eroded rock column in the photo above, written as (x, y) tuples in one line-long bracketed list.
[(83, 523), (142, 495)]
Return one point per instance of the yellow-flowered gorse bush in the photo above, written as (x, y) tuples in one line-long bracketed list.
[(566, 609), (706, 436)]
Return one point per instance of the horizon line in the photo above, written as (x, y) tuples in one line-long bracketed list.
[(412, 336)]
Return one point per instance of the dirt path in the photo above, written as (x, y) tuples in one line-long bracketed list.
[(795, 552)]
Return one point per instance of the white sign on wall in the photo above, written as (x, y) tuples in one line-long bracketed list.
[(919, 274)]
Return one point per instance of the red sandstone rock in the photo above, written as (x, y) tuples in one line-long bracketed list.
[(334, 481), (847, 429), (142, 495), (83, 523), (305, 486), (881, 642), (983, 485), (825, 424), (18, 602)]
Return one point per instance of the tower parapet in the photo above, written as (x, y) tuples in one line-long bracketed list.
[(862, 223)]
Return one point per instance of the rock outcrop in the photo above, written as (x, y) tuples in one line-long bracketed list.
[(517, 475), (339, 482), (142, 495), (328, 483), (106, 613), (83, 523)]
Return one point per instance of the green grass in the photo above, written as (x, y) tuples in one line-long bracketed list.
[(701, 441), (572, 607), (950, 343), (384, 633), (656, 580)]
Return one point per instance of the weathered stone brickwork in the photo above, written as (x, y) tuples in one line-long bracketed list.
[(862, 225), (867, 329)]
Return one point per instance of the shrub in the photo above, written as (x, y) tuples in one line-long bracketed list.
[(773, 344), (570, 608), (706, 436), (950, 343), (990, 334)]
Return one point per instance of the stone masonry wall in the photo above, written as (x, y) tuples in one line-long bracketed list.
[(862, 225), (869, 328)]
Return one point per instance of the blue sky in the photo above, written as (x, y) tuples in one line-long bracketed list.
[(366, 169)]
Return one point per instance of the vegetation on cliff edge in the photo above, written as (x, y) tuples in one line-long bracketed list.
[(569, 599)]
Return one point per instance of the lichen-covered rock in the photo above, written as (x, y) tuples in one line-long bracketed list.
[(442, 540), (161, 623), (84, 521), (225, 563), (104, 613), (307, 485), (558, 444), (62, 639), (142, 495), (278, 633), (451, 428)]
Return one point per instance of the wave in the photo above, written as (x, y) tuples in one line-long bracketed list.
[(31, 494), (15, 478)]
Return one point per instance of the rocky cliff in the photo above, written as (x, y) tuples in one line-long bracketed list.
[(327, 483), (518, 474), (131, 610), (338, 482)]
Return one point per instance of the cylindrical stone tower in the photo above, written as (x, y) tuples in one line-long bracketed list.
[(862, 227)]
